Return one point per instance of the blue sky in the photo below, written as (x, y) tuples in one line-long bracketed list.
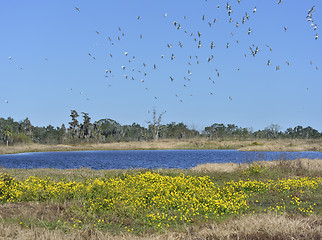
[(53, 60)]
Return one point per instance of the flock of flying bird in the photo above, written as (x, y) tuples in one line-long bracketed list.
[(133, 72)]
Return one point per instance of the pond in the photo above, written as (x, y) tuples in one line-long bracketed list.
[(153, 159)]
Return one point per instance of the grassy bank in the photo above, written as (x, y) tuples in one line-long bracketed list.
[(277, 200), (243, 145)]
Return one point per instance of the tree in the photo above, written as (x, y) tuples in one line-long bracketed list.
[(133, 132), (7, 134), (289, 133), (154, 125), (232, 129), (26, 126), (310, 132), (85, 127), (179, 130), (62, 133), (110, 129), (272, 131), (298, 131), (51, 135), (216, 130), (74, 125)]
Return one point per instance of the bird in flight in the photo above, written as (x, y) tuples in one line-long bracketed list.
[(270, 49), (77, 9)]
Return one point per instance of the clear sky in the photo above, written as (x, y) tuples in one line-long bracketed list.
[(56, 56)]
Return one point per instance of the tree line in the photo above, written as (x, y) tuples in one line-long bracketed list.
[(82, 130)]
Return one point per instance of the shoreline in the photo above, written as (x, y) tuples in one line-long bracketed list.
[(279, 145)]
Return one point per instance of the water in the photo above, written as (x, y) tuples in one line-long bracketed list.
[(125, 159)]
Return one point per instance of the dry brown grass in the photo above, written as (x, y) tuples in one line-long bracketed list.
[(162, 144), (34, 210), (58, 174), (293, 145), (198, 143), (297, 164), (268, 226), (219, 167), (302, 163)]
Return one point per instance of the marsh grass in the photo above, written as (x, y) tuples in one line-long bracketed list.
[(283, 202), (261, 226), (198, 143)]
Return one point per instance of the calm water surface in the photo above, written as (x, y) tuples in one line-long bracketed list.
[(125, 159)]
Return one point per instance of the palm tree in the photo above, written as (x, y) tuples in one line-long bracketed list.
[(7, 135)]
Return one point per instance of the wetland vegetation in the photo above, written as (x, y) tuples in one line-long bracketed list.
[(246, 201)]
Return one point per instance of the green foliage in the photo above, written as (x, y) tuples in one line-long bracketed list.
[(254, 169), (109, 130), (255, 144)]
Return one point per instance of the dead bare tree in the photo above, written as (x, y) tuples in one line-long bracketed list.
[(154, 125)]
